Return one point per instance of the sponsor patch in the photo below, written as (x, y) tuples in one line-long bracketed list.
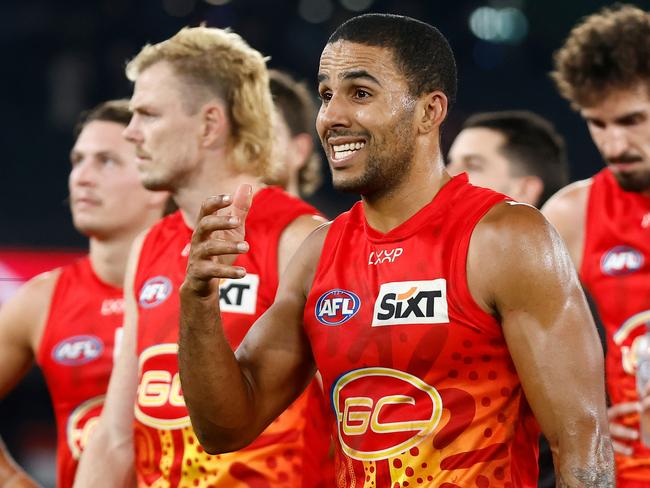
[(155, 291), (240, 295), (411, 302), (77, 350), (381, 256), (159, 402), (335, 307), (382, 412), (621, 260)]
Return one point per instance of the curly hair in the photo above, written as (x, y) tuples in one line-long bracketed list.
[(219, 63), (608, 49)]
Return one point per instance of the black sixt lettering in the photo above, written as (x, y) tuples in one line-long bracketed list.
[(224, 293)]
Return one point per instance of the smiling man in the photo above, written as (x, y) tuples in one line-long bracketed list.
[(603, 70), (432, 356)]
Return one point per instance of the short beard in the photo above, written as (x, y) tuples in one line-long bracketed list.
[(637, 183), (383, 174)]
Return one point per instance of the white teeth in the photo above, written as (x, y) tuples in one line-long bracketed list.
[(344, 150)]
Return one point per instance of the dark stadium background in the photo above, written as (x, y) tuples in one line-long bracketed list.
[(60, 57)]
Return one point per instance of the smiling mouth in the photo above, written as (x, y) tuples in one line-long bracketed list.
[(342, 151)]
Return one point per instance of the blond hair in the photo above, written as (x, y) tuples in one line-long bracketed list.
[(217, 62)]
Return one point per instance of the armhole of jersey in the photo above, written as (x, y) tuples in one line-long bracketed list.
[(40, 357), (327, 253), (584, 278), (458, 266)]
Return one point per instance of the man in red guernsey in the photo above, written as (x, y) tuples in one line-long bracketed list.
[(438, 313), (69, 320), (603, 70), (201, 125)]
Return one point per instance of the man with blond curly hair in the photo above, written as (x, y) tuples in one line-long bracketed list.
[(603, 69), (201, 126)]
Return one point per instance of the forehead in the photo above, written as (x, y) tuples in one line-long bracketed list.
[(618, 102), (100, 135), (341, 57), (155, 82), (478, 140)]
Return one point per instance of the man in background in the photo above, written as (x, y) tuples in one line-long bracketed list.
[(603, 70), (517, 153), (297, 163), (69, 320)]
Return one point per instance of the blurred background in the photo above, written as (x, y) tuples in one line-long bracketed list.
[(62, 57)]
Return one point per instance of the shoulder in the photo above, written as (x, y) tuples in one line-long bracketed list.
[(295, 233), (568, 202), (26, 313)]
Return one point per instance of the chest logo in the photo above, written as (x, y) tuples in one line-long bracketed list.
[(384, 256), (240, 295), (160, 403), (382, 412), (411, 302), (78, 350), (621, 260), (335, 307), (155, 291)]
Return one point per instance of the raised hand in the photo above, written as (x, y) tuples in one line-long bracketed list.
[(217, 240)]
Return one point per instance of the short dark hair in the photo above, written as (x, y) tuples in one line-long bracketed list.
[(532, 146), (298, 110), (419, 49), (608, 49), (111, 111)]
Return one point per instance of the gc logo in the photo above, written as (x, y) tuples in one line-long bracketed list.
[(383, 412)]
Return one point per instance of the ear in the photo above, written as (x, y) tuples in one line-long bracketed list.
[(529, 190), (432, 109), (214, 126), (302, 145)]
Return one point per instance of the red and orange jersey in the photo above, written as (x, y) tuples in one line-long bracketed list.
[(76, 355), (615, 270), (422, 388), (293, 450)]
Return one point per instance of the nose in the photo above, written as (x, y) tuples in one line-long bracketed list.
[(614, 142), (132, 131), (334, 114), (83, 173)]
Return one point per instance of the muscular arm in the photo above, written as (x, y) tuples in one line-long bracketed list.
[(108, 460), (270, 368), (550, 335), (22, 320)]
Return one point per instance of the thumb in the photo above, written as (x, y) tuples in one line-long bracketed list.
[(241, 201)]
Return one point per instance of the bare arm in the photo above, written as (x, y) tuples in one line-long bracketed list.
[(108, 459), (22, 320), (550, 335), (270, 368)]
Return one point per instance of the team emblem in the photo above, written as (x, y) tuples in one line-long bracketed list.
[(155, 291), (336, 307), (77, 350), (81, 422), (382, 412), (411, 302), (621, 260)]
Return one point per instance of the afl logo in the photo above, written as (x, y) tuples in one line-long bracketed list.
[(160, 403), (155, 291), (77, 350), (81, 423), (621, 260), (383, 412), (336, 307)]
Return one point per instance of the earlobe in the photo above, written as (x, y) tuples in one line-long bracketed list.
[(434, 111)]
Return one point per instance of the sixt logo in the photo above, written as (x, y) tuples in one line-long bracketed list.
[(155, 291), (77, 350), (240, 295), (621, 260), (336, 307), (384, 256), (411, 302), (382, 412)]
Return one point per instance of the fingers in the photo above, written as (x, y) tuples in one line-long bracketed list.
[(621, 448), (621, 434), (211, 223), (621, 409)]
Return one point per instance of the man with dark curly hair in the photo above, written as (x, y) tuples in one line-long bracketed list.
[(603, 69)]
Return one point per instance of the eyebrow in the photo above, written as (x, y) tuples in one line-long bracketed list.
[(351, 75)]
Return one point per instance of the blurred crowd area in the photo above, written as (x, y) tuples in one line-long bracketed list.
[(60, 58)]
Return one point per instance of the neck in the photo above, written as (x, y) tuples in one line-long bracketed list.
[(417, 189), (216, 181), (108, 258)]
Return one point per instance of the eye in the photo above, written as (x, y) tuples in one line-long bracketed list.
[(325, 95), (361, 93)]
